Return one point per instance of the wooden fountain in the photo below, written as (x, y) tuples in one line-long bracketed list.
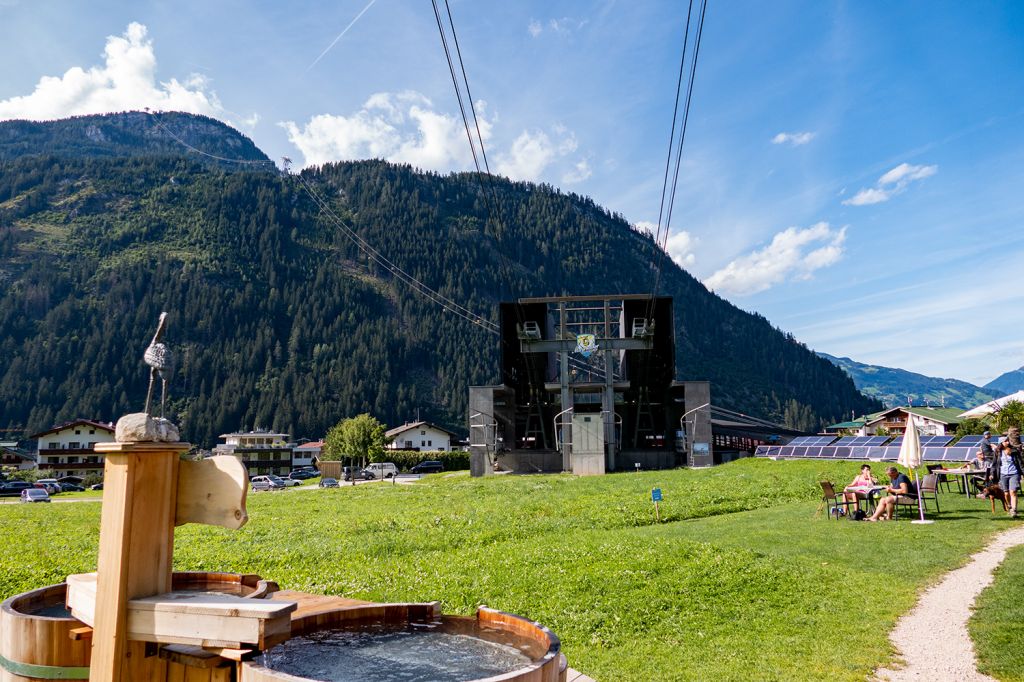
[(134, 620)]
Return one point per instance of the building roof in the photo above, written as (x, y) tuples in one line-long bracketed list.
[(315, 445), (109, 428), (391, 433), (18, 452), (264, 434), (847, 425), (943, 415)]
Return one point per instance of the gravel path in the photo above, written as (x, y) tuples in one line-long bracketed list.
[(932, 638)]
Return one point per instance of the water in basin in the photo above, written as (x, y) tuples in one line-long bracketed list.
[(413, 652), (51, 611)]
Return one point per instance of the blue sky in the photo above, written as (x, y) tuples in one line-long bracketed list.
[(853, 171)]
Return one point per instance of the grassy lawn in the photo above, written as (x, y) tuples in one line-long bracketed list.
[(743, 579), (997, 626)]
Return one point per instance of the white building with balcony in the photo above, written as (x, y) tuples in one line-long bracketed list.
[(262, 452), (67, 449), (420, 436)]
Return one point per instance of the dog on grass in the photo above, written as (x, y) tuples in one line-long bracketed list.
[(993, 493)]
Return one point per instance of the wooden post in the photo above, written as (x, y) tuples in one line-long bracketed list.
[(136, 545)]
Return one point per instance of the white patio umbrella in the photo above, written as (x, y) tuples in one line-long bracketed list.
[(993, 406), (910, 457)]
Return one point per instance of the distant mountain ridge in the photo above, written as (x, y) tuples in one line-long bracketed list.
[(1007, 383), (132, 133), (892, 385)]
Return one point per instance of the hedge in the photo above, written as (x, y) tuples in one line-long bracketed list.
[(454, 460)]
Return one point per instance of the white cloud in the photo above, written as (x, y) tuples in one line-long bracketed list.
[(401, 127), (795, 139), (680, 247), (405, 127), (566, 25), (535, 28), (579, 172), (793, 254), (532, 152), (905, 173), (646, 227), (126, 80), (890, 184)]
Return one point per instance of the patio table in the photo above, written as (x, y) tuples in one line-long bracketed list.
[(965, 474)]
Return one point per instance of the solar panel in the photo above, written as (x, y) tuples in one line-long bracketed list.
[(799, 451), (826, 440), (891, 454), (859, 452), (761, 451), (773, 451), (802, 440), (841, 452), (933, 454), (876, 453), (898, 442), (814, 451), (875, 441), (957, 454), (936, 441), (968, 441), (846, 440)]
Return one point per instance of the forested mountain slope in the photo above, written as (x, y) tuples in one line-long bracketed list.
[(279, 321)]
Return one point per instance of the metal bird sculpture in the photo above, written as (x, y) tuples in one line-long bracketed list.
[(158, 357)]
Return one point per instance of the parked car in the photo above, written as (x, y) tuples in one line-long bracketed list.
[(96, 486), (429, 467), (383, 469), (286, 482), (35, 495), (328, 483), (359, 474), (303, 474), (18, 485), (49, 484), (265, 483), (71, 488)]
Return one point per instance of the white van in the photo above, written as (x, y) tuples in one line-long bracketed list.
[(382, 470)]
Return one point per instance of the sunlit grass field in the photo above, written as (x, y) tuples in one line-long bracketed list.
[(743, 579), (997, 626)]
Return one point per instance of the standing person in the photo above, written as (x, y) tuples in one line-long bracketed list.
[(1009, 473), (987, 446), (900, 484)]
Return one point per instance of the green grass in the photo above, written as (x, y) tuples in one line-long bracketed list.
[(743, 579), (997, 625)]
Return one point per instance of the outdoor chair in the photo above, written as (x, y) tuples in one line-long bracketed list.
[(945, 480), (929, 491), (833, 501)]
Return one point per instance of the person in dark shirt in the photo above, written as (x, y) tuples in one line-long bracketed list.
[(899, 485)]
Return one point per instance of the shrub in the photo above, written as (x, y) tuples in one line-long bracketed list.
[(454, 460)]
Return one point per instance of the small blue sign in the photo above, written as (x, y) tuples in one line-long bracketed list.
[(656, 495)]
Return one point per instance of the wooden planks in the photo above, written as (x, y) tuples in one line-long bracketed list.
[(212, 491), (206, 620)]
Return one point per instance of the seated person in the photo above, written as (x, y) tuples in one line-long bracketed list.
[(900, 485), (987, 475), (860, 487)]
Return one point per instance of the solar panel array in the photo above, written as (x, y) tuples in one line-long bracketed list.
[(970, 440), (877, 453)]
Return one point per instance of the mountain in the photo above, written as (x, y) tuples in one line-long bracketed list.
[(892, 386), (280, 321), (1007, 383), (132, 133)]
